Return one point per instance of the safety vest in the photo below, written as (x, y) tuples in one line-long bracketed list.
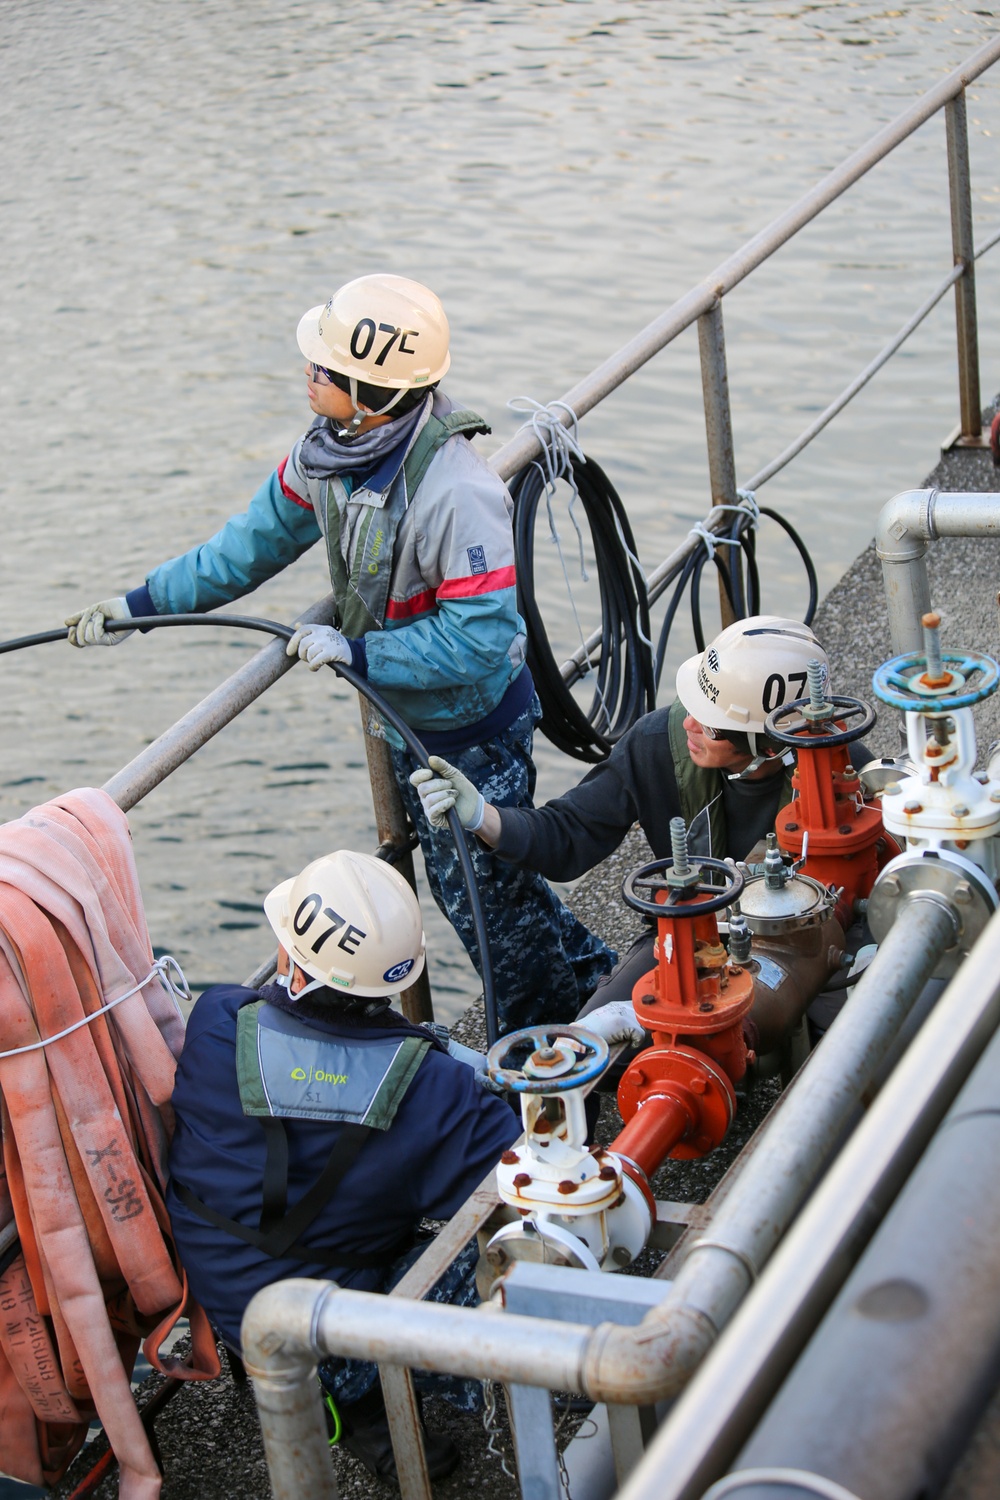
[(363, 592), (289, 1070)]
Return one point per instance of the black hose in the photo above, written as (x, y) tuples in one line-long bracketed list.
[(625, 688), (416, 749)]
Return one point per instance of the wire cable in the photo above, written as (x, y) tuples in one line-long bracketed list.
[(624, 686), (389, 714)]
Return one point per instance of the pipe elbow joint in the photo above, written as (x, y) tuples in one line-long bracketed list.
[(649, 1363), (278, 1330), (905, 526)]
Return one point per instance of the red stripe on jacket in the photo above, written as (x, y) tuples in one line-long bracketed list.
[(452, 588), (288, 493)]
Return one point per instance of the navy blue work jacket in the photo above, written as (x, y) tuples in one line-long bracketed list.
[(446, 1136)]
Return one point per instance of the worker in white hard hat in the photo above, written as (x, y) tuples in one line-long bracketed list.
[(705, 759), (316, 1127), (417, 533)]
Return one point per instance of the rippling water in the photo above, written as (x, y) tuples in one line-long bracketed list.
[(182, 179)]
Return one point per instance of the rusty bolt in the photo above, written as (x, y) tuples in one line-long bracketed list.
[(566, 1186), (510, 1158), (607, 1174), (647, 999), (791, 827), (913, 807), (545, 1057), (707, 1005), (995, 796), (543, 1126), (845, 828), (522, 1180), (960, 810)]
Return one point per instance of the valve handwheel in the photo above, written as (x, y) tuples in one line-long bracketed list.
[(576, 1056), (897, 682), (815, 738), (695, 900)]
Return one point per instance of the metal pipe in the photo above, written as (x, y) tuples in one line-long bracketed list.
[(960, 196), (906, 524), (279, 1352), (526, 445), (634, 1365), (392, 826), (715, 1415), (719, 436), (863, 1406), (201, 723)]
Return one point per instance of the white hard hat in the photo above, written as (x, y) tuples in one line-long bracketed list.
[(381, 330), (749, 669), (351, 921)]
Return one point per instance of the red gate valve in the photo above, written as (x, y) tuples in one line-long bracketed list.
[(677, 1096), (828, 824)]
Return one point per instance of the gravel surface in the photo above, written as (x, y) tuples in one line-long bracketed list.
[(208, 1435)]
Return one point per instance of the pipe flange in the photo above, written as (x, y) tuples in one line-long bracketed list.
[(941, 875)]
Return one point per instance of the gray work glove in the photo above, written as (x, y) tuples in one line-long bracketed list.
[(318, 645), (86, 628), (449, 788), (615, 1022)]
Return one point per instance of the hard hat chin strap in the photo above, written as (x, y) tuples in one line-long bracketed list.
[(760, 756), (360, 412)]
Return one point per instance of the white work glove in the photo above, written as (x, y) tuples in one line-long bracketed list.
[(449, 788), (615, 1022), (87, 627), (318, 645)]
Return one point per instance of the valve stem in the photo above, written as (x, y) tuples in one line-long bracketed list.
[(682, 873)]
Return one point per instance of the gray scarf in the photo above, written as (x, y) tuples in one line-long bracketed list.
[(324, 453)]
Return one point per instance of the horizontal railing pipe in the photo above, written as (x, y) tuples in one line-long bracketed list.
[(593, 388), (201, 723)]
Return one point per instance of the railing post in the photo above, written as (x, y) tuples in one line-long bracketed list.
[(959, 188), (718, 432), (393, 827)]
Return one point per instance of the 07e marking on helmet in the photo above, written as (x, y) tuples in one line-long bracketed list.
[(775, 689), (365, 328), (308, 910)]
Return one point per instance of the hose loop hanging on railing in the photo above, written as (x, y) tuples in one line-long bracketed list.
[(623, 686)]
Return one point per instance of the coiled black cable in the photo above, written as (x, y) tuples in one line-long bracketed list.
[(389, 714), (625, 687)]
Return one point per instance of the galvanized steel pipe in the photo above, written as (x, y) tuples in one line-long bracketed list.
[(716, 1413), (906, 526), (279, 1352)]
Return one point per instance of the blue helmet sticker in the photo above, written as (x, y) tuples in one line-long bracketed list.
[(398, 971)]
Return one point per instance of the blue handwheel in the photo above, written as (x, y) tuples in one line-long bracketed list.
[(894, 682), (543, 1049)]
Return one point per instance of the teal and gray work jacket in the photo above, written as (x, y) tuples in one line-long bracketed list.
[(421, 559)]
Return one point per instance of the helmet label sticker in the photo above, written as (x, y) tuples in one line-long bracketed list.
[(308, 909), (398, 971), (707, 686), (776, 689), (477, 559)]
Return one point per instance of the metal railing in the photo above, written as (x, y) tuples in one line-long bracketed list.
[(702, 304)]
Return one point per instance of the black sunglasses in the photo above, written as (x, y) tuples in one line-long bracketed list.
[(332, 377)]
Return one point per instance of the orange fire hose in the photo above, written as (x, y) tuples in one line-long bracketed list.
[(85, 1125)]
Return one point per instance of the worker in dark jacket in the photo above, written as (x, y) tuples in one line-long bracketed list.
[(705, 759), (316, 1127), (382, 1128)]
